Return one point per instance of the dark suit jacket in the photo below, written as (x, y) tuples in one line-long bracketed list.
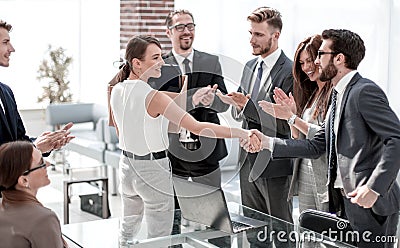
[(368, 144), (206, 71), (256, 118), (14, 129)]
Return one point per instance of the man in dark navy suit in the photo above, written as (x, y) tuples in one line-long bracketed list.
[(11, 125)]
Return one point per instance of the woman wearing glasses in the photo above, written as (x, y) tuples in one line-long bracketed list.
[(24, 221), (305, 112)]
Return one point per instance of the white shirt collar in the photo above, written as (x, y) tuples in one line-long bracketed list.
[(179, 58), (342, 84), (271, 59)]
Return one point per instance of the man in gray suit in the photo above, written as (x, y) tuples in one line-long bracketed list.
[(264, 184), (362, 141)]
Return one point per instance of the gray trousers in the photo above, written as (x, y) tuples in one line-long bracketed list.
[(146, 190), (267, 195)]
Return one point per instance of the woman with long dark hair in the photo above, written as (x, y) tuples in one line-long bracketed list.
[(305, 111)]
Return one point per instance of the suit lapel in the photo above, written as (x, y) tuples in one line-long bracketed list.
[(248, 76), (5, 121), (265, 91), (170, 59), (355, 78)]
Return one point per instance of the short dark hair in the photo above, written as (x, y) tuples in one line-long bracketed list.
[(15, 159), (348, 43), (272, 16), (4, 24), (168, 19)]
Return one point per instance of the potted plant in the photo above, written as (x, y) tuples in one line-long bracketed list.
[(54, 71)]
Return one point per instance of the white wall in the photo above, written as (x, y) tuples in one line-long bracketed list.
[(87, 29)]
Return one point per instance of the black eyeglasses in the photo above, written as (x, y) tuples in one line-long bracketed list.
[(320, 53), (181, 27), (42, 165)]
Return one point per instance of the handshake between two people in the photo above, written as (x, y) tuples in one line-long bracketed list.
[(255, 142)]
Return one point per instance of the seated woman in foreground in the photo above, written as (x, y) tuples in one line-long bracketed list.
[(24, 221)]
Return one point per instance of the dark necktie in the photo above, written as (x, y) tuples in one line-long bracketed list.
[(332, 163), (187, 66), (257, 82)]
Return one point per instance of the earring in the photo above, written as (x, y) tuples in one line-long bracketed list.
[(27, 186)]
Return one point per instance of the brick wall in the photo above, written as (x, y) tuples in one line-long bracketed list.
[(144, 17)]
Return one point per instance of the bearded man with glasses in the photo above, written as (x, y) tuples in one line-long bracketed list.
[(191, 156)]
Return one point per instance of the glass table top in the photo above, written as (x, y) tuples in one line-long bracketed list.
[(267, 231)]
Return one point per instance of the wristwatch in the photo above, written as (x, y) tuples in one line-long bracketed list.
[(291, 120)]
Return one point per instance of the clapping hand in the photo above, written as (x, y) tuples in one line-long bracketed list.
[(205, 95), (236, 99), (48, 141), (284, 108)]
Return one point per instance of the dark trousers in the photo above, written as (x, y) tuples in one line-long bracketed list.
[(270, 196), (375, 231)]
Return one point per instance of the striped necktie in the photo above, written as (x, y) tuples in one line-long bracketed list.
[(332, 162)]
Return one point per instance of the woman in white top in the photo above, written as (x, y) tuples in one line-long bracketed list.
[(141, 115), (305, 112)]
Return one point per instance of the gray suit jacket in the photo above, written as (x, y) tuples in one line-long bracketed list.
[(368, 144), (255, 118)]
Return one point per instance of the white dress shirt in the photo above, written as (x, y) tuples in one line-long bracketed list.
[(180, 58), (340, 88), (269, 62)]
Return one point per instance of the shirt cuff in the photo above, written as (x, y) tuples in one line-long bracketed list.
[(270, 144), (376, 193)]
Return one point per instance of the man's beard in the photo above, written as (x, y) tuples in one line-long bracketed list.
[(185, 45), (266, 49), (329, 72)]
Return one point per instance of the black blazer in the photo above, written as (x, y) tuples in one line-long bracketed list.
[(206, 71), (13, 129), (255, 118), (367, 143)]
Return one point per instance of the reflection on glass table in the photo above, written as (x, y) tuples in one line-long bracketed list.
[(273, 233)]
